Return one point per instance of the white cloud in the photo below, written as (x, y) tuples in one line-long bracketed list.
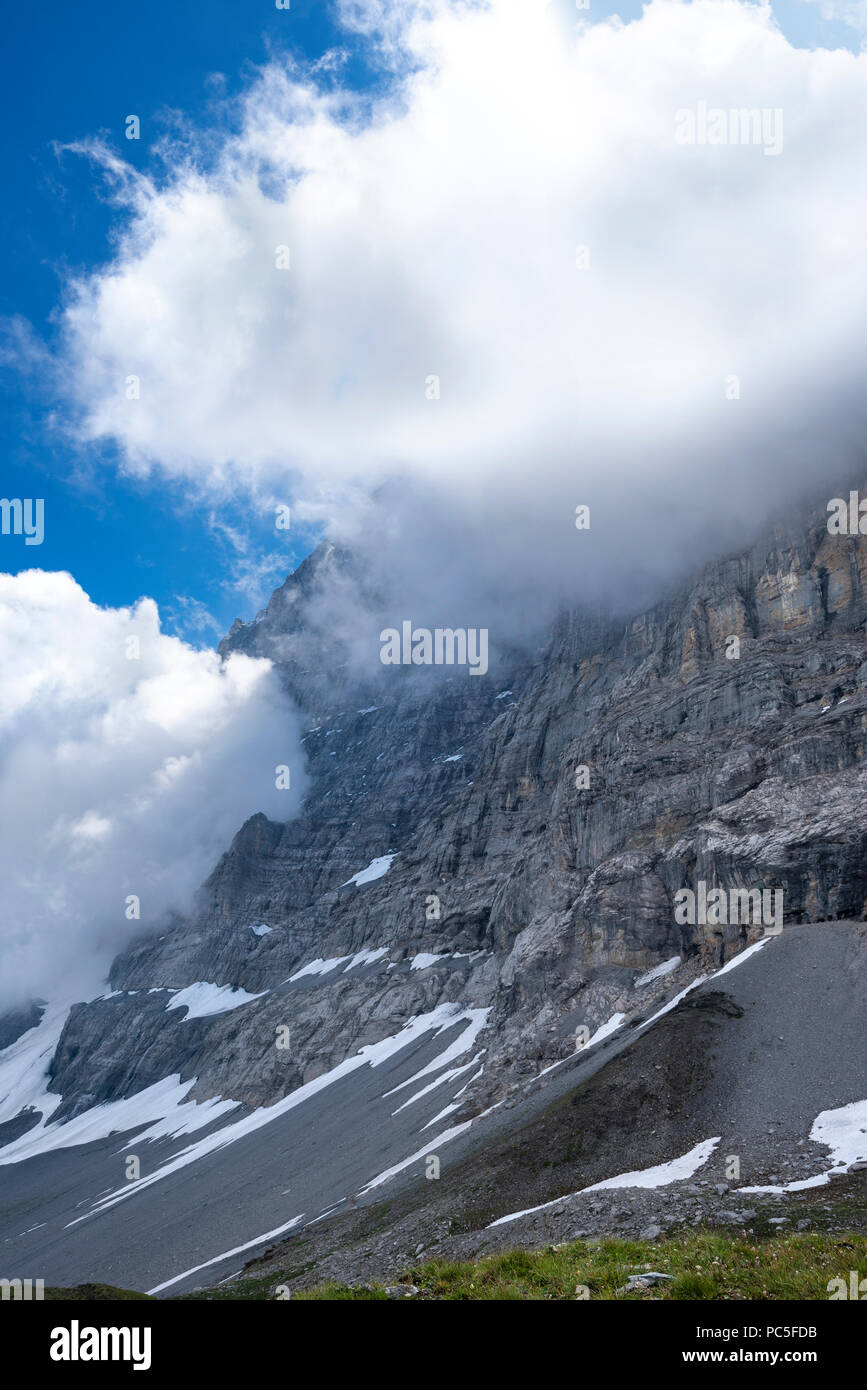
[(118, 776), (433, 231), (439, 237)]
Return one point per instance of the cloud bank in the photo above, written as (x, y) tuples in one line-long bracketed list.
[(120, 775), (507, 286)]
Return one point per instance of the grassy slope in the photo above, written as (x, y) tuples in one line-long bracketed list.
[(703, 1264)]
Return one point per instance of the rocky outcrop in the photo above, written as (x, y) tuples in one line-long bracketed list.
[(541, 825)]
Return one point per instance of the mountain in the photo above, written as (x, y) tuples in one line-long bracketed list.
[(486, 880)]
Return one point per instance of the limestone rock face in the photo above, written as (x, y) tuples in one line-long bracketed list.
[(723, 736)]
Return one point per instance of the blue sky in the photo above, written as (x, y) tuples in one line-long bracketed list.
[(75, 72)]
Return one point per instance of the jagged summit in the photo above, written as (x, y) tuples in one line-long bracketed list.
[(282, 608)]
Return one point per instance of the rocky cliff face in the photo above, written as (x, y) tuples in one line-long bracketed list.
[(545, 890)]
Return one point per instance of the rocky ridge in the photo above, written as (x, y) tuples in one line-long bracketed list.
[(546, 900)]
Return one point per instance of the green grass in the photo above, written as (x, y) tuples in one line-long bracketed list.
[(259, 1286), (93, 1293), (704, 1264)]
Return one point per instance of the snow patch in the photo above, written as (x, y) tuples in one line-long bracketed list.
[(375, 869), (431, 1147), (24, 1067), (432, 1085), (366, 958), (673, 1003), (448, 1110), (324, 967), (660, 1176), (603, 1031), (657, 973), (606, 1029), (425, 959), (476, 1020), (162, 1106), (845, 1133), (318, 967), (227, 1254), (663, 1173), (203, 999), (742, 956)]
